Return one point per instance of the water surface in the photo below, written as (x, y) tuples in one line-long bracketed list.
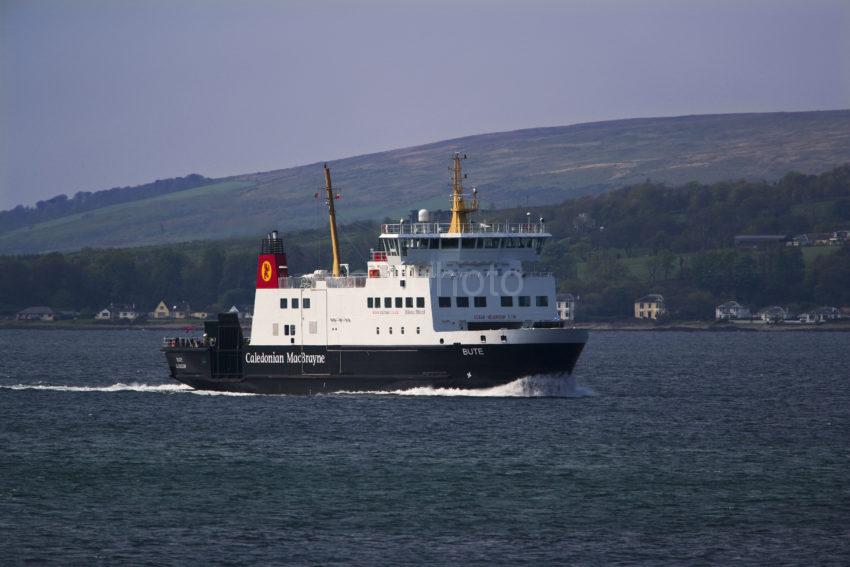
[(671, 448)]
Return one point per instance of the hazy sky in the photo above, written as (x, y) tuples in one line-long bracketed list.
[(96, 94)]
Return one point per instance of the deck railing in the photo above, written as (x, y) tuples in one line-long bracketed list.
[(431, 228)]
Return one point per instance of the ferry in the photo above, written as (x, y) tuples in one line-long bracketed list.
[(440, 305)]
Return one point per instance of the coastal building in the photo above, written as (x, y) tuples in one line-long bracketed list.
[(104, 314), (128, 313), (118, 313), (731, 310), (650, 306), (199, 315), (180, 310), (761, 240), (161, 311), (773, 314), (566, 307), (37, 313), (814, 239), (821, 315)]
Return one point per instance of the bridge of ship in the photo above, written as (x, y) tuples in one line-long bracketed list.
[(473, 235)]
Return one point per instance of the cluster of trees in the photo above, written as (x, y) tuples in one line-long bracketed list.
[(82, 201), (206, 274), (680, 239)]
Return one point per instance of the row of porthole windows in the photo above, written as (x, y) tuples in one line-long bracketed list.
[(284, 301), (505, 300), (390, 329), (398, 302)]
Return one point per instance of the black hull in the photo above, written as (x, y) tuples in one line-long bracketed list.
[(316, 370)]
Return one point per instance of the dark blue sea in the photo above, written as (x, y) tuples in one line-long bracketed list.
[(668, 448)]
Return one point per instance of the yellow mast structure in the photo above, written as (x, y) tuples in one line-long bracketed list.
[(460, 207), (332, 214)]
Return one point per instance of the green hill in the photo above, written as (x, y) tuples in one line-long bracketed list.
[(523, 167)]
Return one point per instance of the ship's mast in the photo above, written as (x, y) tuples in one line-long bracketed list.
[(460, 208), (332, 214)]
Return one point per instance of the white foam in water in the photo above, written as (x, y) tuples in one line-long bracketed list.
[(121, 387), (550, 386)]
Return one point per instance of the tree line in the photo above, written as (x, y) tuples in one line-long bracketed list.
[(681, 239)]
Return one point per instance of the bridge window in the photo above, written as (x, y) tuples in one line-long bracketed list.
[(370, 303), (467, 242), (420, 302), (306, 303), (398, 302), (481, 301), (509, 243), (445, 301), (490, 242), (462, 301), (283, 302), (388, 302), (295, 303), (542, 301), (524, 301), (507, 301), (449, 242), (408, 302)]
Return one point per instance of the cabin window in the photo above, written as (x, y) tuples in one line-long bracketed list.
[(408, 302), (507, 301), (538, 244), (377, 330), (462, 301), (283, 302), (449, 243), (420, 302), (295, 303), (285, 330), (445, 301), (398, 302), (370, 302), (483, 339), (467, 242), (524, 301), (377, 303), (306, 303), (391, 330), (417, 330), (481, 301), (388, 302), (292, 329), (402, 330), (542, 301)]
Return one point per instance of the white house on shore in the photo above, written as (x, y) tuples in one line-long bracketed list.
[(731, 310), (566, 306), (650, 306), (821, 315), (773, 314)]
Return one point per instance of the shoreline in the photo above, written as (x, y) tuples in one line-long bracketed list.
[(682, 326)]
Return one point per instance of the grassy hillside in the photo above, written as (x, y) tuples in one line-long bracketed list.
[(524, 167)]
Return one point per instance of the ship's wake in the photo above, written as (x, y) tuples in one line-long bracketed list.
[(538, 386), (121, 387)]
